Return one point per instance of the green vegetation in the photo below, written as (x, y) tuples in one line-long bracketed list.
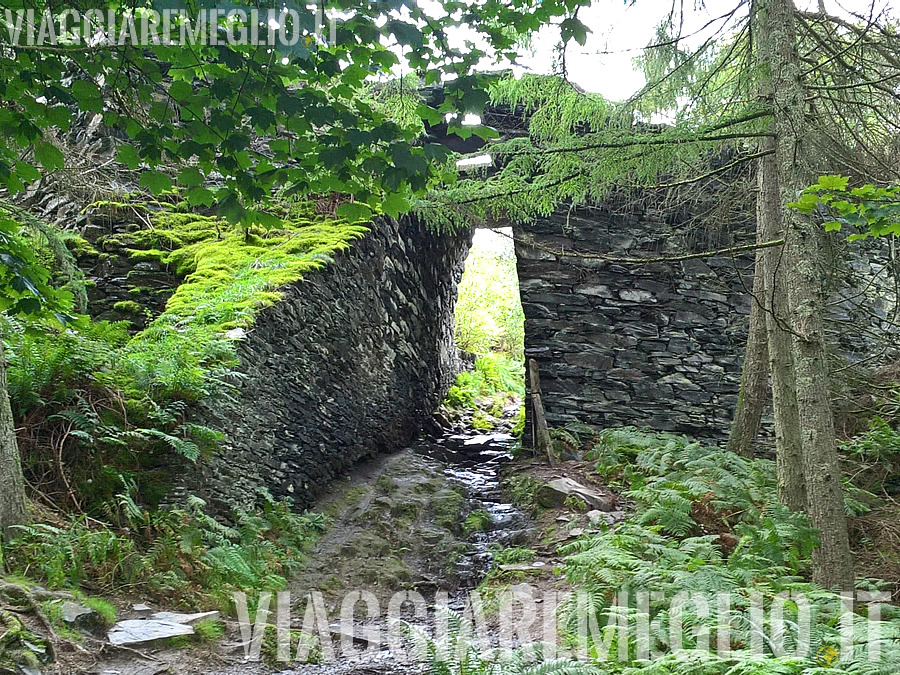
[(128, 307), (105, 610), (118, 405), (523, 491), (489, 316), (298, 641), (231, 274), (447, 505), (458, 655), (209, 630), (516, 555), (181, 556), (705, 521), (477, 521), (494, 375)]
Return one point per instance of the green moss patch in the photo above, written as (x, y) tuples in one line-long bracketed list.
[(230, 275)]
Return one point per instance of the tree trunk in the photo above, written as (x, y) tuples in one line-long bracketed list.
[(12, 492), (755, 373), (788, 454), (804, 278)]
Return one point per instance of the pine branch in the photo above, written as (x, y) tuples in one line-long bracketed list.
[(635, 142), (708, 174), (731, 250)]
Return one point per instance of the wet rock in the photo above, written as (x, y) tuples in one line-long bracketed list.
[(555, 493), (483, 442)]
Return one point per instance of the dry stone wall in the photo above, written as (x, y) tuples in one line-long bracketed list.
[(352, 362), (656, 345)]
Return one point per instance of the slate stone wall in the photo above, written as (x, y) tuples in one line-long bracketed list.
[(654, 345), (351, 363)]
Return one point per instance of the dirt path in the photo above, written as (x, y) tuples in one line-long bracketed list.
[(428, 520)]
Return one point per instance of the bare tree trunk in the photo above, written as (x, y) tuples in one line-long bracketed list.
[(755, 373), (804, 276), (788, 453), (12, 484)]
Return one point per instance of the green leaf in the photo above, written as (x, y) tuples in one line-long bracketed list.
[(181, 90), (86, 93), (429, 115), (806, 204), (354, 212), (156, 181), (128, 155), (572, 28), (484, 132), (833, 183), (395, 204), (200, 197), (832, 226), (406, 33), (190, 177), (49, 156)]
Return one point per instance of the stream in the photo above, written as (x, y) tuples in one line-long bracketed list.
[(468, 464), (474, 463)]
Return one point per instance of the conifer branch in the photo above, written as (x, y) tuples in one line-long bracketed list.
[(635, 142), (731, 250)]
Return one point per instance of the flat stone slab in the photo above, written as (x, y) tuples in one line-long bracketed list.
[(140, 631), (187, 619), (554, 495)]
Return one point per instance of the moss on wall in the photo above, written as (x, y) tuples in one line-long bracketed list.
[(230, 274)]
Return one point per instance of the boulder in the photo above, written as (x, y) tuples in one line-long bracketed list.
[(80, 616), (554, 495)]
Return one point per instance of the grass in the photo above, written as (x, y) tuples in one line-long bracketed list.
[(209, 630), (477, 521), (105, 610)]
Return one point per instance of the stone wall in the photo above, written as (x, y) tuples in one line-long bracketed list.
[(660, 344), (352, 362), (654, 345)]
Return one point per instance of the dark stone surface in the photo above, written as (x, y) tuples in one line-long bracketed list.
[(660, 344), (351, 363), (652, 345)]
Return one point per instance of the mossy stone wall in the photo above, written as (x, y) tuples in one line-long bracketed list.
[(351, 362)]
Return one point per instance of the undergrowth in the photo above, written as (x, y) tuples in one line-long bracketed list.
[(705, 522), (180, 556), (105, 425), (495, 376)]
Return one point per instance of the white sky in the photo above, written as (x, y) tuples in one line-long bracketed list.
[(619, 26)]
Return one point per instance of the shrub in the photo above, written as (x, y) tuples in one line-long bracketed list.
[(494, 375)]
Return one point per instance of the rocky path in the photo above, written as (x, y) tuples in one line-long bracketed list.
[(428, 520), (424, 519)]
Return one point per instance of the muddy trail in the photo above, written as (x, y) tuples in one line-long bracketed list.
[(427, 519)]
